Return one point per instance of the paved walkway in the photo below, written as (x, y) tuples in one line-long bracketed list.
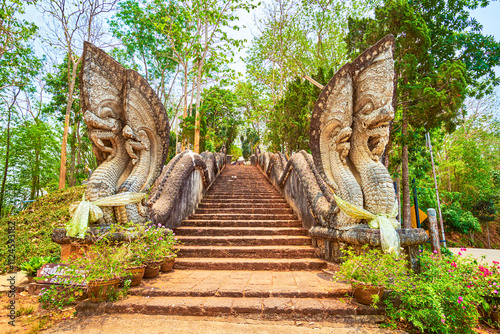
[(139, 323), (490, 254)]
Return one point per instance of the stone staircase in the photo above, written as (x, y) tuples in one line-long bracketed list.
[(244, 254), (243, 223)]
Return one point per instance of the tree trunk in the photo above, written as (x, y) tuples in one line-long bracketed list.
[(71, 87), (185, 114), (197, 121), (72, 179), (7, 151), (405, 185)]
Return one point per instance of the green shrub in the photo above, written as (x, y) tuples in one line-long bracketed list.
[(35, 263), (460, 220)]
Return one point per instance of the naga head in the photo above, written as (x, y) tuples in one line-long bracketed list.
[(330, 140), (106, 117), (373, 109)]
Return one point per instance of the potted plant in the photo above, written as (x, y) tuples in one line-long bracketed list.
[(370, 272), (101, 269), (168, 242), (151, 246)]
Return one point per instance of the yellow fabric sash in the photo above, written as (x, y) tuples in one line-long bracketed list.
[(85, 211), (387, 223)]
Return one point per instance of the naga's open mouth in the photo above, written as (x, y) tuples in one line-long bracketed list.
[(376, 144)]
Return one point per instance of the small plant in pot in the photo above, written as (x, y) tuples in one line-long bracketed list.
[(168, 242), (152, 246), (370, 272), (102, 267)]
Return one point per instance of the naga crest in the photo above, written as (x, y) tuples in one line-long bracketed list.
[(129, 129), (350, 130)]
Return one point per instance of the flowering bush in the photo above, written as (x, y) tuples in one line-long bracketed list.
[(153, 243), (446, 295)]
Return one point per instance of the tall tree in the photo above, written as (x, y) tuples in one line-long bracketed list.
[(431, 83), (18, 65), (298, 37), (73, 21)]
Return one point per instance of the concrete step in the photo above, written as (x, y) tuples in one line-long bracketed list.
[(248, 210), (237, 231), (245, 240), (242, 216), (242, 223), (257, 308), (206, 263)]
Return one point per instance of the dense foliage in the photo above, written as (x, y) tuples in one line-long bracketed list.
[(444, 69)]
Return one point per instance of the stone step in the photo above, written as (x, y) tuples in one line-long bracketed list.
[(238, 192), (204, 205), (243, 196), (248, 210), (206, 263), (242, 216), (242, 223), (317, 309), (238, 231), (287, 252), (227, 283), (206, 200), (245, 240)]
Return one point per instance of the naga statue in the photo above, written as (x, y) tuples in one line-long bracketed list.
[(350, 194), (130, 133), (129, 129)]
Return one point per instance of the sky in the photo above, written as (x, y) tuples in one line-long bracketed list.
[(489, 17)]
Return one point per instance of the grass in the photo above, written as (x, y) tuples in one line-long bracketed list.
[(34, 226)]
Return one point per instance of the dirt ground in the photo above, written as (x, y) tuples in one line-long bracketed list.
[(30, 317)]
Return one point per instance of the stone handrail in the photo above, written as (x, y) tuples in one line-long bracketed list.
[(174, 195), (181, 185)]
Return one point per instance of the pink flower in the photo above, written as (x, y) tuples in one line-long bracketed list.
[(495, 291), (470, 286), (435, 251), (459, 253), (460, 299), (442, 320), (463, 249), (463, 307), (453, 264), (496, 262)]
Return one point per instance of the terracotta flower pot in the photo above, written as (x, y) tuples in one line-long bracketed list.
[(167, 264), (135, 274), (99, 291), (152, 269), (364, 293), (495, 315)]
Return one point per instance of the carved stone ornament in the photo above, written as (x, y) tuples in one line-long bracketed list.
[(129, 129), (350, 129)]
